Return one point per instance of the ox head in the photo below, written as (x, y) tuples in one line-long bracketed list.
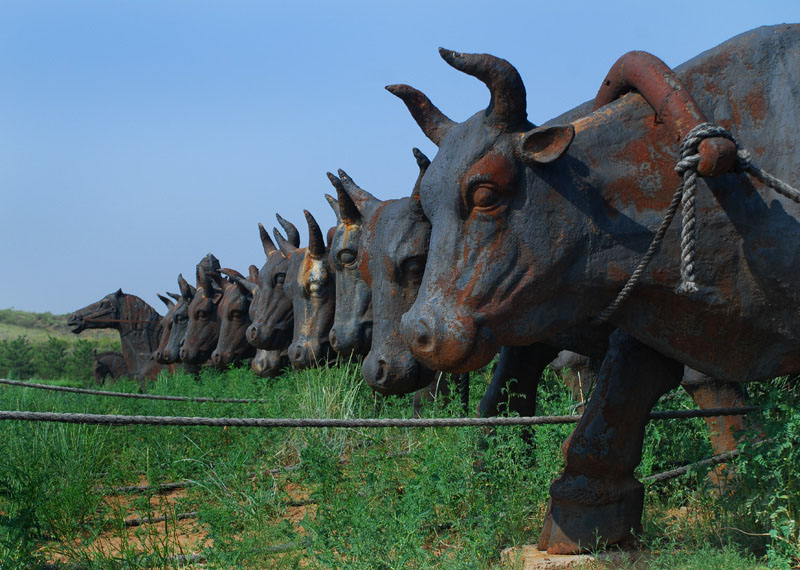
[(490, 246), (352, 325), (271, 309), (99, 315), (202, 330), (269, 363), (392, 253), (176, 324), (167, 326), (311, 286), (234, 318)]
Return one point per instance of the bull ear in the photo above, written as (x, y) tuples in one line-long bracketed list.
[(175, 296), (118, 292), (333, 204), (291, 231), (544, 144), (316, 243), (286, 248), (346, 211), (253, 274), (266, 243), (187, 291), (166, 300)]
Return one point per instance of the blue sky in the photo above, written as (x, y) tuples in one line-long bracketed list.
[(136, 137)]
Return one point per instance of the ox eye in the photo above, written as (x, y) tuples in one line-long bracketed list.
[(485, 197), (280, 278), (413, 267), (346, 257)]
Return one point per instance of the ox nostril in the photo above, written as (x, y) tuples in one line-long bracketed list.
[(216, 358), (423, 338), (182, 354), (380, 373), (252, 334), (332, 339), (297, 354)]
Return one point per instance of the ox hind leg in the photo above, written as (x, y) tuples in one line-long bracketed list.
[(597, 499), (708, 392)]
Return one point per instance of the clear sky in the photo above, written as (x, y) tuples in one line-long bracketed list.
[(135, 137)]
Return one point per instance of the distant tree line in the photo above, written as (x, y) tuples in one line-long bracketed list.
[(53, 358)]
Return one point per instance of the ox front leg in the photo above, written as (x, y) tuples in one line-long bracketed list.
[(597, 500)]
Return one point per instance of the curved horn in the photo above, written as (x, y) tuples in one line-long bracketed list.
[(507, 108), (175, 296), (245, 286), (423, 162), (204, 280), (291, 232), (358, 195), (333, 203), (166, 300), (346, 208), (431, 120), (286, 248), (187, 291), (316, 242), (266, 242)]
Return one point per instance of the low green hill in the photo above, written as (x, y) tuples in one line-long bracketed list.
[(38, 326)]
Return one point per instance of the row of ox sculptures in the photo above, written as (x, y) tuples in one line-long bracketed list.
[(514, 239)]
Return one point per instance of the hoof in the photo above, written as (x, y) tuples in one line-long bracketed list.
[(573, 528)]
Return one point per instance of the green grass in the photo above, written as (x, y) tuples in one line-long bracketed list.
[(382, 498)]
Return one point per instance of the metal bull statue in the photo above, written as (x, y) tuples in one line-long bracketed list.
[(271, 311), (234, 316), (536, 229), (310, 283), (378, 252), (391, 254), (175, 323), (139, 327)]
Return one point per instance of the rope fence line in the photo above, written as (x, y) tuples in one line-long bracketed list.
[(130, 395), (125, 420)]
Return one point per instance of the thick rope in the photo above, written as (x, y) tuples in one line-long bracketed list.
[(685, 195), (122, 420), (129, 395), (667, 475)]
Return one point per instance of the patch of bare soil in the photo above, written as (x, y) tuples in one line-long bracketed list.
[(170, 536)]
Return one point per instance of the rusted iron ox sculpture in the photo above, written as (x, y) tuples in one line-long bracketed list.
[(271, 310), (108, 363), (310, 283), (139, 327), (536, 229), (174, 325), (234, 317), (377, 252), (202, 330)]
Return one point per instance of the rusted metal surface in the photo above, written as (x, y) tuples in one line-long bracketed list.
[(139, 327), (649, 76), (271, 309), (202, 329), (535, 230), (174, 325), (311, 286), (233, 313)]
